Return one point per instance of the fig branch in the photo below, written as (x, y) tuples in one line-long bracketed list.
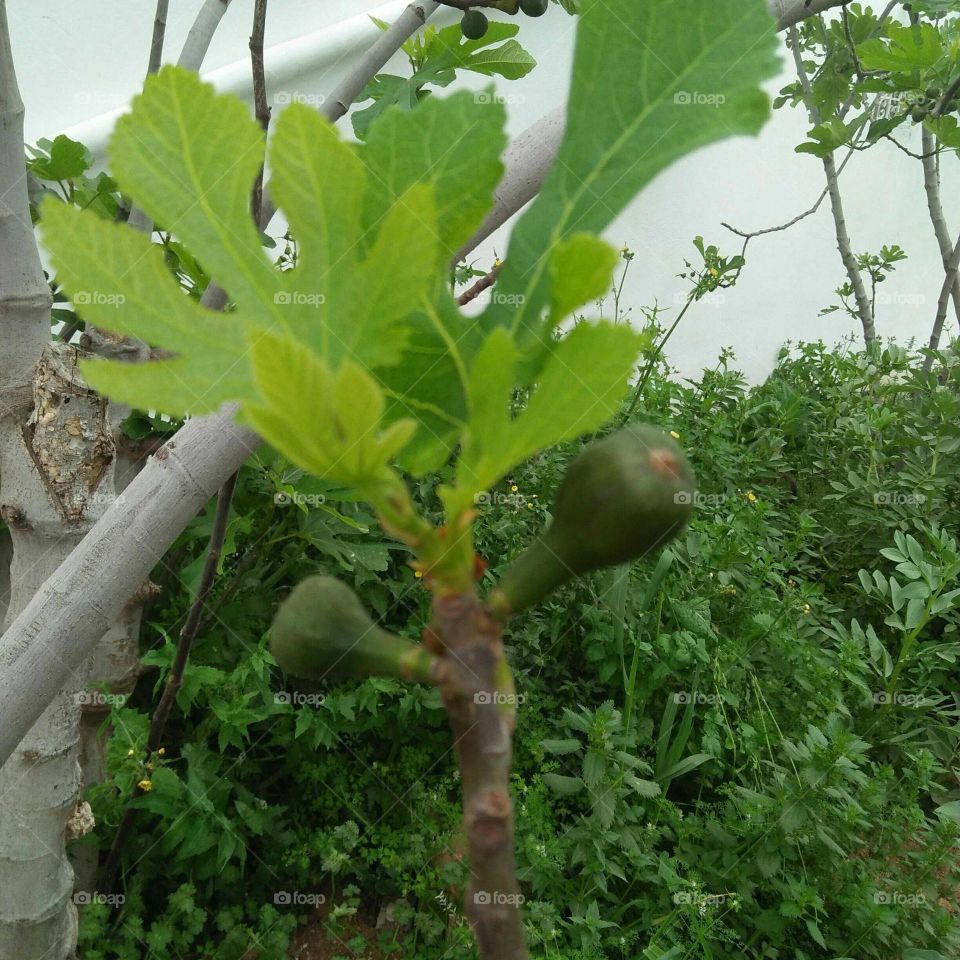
[(474, 683)]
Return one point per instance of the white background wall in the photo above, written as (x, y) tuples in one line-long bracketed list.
[(78, 61)]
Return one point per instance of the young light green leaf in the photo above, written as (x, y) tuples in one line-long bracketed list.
[(329, 424), (119, 281), (678, 77), (581, 384), (188, 157)]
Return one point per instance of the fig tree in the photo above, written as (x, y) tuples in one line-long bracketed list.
[(474, 24), (534, 8), (322, 631), (620, 499)]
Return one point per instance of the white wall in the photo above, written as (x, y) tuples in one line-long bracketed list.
[(76, 63)]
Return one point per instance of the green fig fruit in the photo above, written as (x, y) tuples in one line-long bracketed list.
[(322, 631), (622, 498), (509, 6), (474, 24), (534, 8)]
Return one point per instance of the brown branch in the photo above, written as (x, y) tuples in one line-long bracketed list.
[(474, 681), (261, 106), (484, 283), (158, 722)]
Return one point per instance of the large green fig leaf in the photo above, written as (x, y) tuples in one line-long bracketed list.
[(652, 81)]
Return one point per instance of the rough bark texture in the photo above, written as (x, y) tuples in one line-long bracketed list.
[(481, 711), (38, 785), (53, 467)]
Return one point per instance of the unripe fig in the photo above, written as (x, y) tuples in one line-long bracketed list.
[(622, 498), (322, 631), (534, 8), (474, 24)]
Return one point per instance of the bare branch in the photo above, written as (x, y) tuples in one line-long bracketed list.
[(201, 33), (791, 12), (864, 308), (484, 283), (159, 31), (158, 722), (949, 283)]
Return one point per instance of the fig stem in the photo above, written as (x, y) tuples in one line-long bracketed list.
[(477, 691)]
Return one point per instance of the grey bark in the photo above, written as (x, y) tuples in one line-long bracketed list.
[(931, 184), (38, 785), (790, 12), (844, 246)]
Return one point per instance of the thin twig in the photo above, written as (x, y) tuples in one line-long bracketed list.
[(484, 283), (158, 722), (261, 106)]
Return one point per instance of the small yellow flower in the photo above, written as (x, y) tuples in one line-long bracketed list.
[(806, 608), (674, 434), (529, 506), (751, 496), (497, 263), (418, 574), (732, 591), (129, 753), (514, 488), (149, 766), (145, 785), (161, 751), (714, 272)]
